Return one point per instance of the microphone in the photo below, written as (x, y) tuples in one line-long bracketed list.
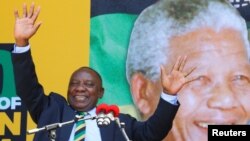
[(111, 114), (52, 127), (106, 114), (101, 111)]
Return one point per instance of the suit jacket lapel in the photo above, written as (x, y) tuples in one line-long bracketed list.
[(68, 114)]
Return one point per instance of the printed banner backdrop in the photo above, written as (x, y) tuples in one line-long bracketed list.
[(111, 25), (59, 47)]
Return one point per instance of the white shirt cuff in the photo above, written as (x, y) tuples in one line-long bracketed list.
[(169, 98), (18, 49)]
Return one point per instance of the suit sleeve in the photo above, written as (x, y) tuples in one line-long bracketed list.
[(156, 127), (27, 85)]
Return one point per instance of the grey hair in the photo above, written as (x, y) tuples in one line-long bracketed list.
[(149, 41)]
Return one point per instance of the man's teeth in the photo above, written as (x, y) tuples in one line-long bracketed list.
[(79, 97)]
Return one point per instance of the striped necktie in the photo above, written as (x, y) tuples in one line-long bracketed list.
[(80, 129)]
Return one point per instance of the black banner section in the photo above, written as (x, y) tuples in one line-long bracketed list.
[(6, 46), (243, 7), (223, 132), (101, 7)]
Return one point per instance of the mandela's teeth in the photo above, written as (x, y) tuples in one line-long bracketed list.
[(205, 125)]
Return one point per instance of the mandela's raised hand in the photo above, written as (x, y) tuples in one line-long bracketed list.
[(25, 25), (174, 80)]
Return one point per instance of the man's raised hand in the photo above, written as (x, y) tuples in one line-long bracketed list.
[(175, 79), (25, 25)]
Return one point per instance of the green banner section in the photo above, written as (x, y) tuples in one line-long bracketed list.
[(8, 86), (109, 38)]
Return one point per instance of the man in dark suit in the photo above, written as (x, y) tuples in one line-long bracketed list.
[(84, 90)]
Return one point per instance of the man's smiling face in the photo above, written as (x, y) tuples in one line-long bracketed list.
[(85, 88)]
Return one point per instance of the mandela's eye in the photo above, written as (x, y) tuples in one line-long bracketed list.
[(240, 80), (200, 81)]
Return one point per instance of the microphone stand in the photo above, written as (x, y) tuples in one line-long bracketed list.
[(51, 128), (122, 128)]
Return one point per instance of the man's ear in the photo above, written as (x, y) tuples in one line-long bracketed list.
[(139, 88), (101, 93)]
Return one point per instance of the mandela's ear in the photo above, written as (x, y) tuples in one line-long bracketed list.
[(139, 88)]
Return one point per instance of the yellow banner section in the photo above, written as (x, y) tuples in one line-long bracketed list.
[(61, 44)]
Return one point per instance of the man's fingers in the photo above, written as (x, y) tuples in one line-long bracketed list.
[(37, 25), (35, 14), (31, 10), (179, 63), (182, 63), (24, 10), (188, 73), (16, 14), (191, 79), (163, 70), (176, 65)]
